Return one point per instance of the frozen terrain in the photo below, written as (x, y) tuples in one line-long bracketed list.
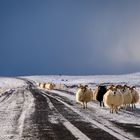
[(30, 113)]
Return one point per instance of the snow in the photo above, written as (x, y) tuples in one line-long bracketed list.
[(27, 110), (103, 114), (75, 131), (88, 118), (133, 79), (91, 80), (10, 83), (14, 110)]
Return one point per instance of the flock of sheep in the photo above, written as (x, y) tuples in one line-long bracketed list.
[(114, 97), (49, 85)]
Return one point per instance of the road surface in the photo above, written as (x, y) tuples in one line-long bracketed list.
[(29, 113)]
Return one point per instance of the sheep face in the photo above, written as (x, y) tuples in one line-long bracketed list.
[(83, 88), (114, 92)]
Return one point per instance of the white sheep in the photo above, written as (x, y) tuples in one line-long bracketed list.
[(135, 96), (41, 85), (113, 98), (84, 95), (49, 86), (61, 86), (78, 92), (94, 94), (126, 95)]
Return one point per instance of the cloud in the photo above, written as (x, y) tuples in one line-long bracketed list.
[(126, 50), (115, 44)]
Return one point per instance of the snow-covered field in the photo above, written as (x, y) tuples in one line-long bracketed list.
[(24, 111), (92, 81), (130, 117), (7, 83)]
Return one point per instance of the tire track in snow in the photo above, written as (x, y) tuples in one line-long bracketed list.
[(11, 113), (135, 112), (112, 132), (90, 130), (100, 117), (27, 110), (75, 131), (96, 123), (37, 126), (42, 128)]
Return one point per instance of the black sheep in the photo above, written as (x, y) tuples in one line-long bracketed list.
[(100, 93)]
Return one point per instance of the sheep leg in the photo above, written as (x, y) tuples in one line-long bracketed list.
[(83, 105), (103, 104), (134, 106), (127, 106), (100, 104), (124, 106), (86, 104), (131, 106), (116, 110), (111, 110)]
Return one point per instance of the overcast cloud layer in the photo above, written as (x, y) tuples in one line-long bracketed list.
[(73, 37)]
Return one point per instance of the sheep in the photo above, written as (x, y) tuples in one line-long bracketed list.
[(99, 93), (80, 89), (41, 85), (135, 96), (126, 95), (113, 98), (61, 86), (1, 90), (94, 94), (84, 95), (49, 86)]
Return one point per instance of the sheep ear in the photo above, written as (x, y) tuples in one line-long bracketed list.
[(108, 87)]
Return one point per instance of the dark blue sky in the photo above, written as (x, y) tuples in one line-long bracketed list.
[(79, 37)]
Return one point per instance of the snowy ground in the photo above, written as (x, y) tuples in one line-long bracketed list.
[(125, 117), (10, 83), (27, 112)]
